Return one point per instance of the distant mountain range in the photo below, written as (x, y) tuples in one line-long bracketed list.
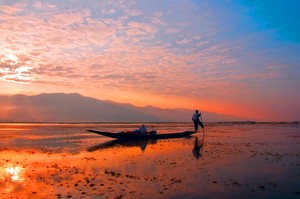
[(60, 107)]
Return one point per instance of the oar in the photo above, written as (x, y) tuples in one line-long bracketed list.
[(202, 124)]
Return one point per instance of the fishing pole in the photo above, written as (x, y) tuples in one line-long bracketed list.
[(202, 124)]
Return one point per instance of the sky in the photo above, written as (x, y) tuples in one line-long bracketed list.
[(239, 58)]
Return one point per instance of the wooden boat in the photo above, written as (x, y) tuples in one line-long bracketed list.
[(128, 136)]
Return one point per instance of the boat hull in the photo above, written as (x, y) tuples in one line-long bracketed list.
[(125, 136)]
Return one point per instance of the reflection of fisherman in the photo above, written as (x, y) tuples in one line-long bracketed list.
[(197, 148), (196, 120)]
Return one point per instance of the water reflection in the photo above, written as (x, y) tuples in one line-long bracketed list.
[(198, 147), (11, 178), (117, 143), (237, 165), (13, 173)]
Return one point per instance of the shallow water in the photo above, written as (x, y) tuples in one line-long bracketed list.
[(232, 160)]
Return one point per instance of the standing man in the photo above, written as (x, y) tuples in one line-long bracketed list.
[(196, 120)]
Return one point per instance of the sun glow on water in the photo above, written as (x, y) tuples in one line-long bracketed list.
[(14, 173), (11, 179)]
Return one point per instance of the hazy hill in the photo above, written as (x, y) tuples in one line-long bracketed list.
[(59, 107)]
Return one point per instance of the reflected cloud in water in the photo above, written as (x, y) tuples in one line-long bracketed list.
[(11, 178), (14, 173)]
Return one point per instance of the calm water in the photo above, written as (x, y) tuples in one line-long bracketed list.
[(231, 160)]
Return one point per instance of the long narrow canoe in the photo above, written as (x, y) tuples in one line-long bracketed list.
[(125, 136)]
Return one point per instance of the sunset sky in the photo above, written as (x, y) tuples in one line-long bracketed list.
[(239, 58)]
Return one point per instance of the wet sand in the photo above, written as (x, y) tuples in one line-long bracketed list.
[(230, 161)]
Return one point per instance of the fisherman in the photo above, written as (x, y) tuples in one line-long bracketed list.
[(143, 129), (196, 120)]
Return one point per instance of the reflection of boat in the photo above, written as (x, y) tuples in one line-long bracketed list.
[(115, 143), (127, 136)]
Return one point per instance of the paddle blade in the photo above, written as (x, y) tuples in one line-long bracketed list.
[(201, 124)]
